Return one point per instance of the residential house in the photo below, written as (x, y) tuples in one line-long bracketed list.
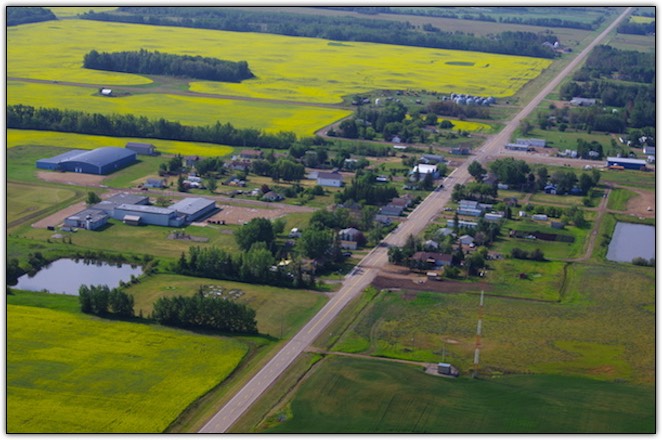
[(329, 179), (460, 151), (466, 240), (250, 154), (350, 234), (422, 170), (493, 216), (430, 245), (155, 183), (272, 196), (431, 159), (582, 102), (391, 210), (550, 189), (349, 244), (649, 151), (190, 161), (541, 217), (462, 224), (434, 259)]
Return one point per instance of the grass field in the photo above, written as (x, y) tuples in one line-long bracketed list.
[(89, 142), (24, 201), (273, 117), (370, 396), (311, 70), (87, 375), (600, 330), (619, 198), (279, 311)]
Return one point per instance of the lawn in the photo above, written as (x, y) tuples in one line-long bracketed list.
[(303, 120), (369, 396), (310, 70), (279, 311), (74, 373), (89, 142)]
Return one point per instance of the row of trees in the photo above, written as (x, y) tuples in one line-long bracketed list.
[(257, 265), (28, 117), (28, 14), (453, 109), (103, 301), (336, 28), (205, 312), (159, 63), (536, 254)]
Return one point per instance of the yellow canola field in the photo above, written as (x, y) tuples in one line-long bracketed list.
[(90, 142), (641, 19), (273, 117), (290, 68)]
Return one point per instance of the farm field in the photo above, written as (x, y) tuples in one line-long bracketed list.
[(98, 376), (348, 68), (279, 311), (26, 200), (88, 142), (273, 117), (371, 396)]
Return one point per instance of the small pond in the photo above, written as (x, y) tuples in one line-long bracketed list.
[(631, 241), (67, 275)]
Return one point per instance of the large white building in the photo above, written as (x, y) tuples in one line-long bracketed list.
[(329, 179)]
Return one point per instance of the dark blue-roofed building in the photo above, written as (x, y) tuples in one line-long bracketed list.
[(141, 148), (103, 160)]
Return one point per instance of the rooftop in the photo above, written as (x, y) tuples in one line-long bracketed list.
[(191, 205), (146, 209)]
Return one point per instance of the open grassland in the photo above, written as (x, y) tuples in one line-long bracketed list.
[(542, 280), (188, 110), (290, 68), (72, 373), (603, 329), (279, 311), (642, 180), (555, 250), (89, 142), (371, 396), (641, 43)]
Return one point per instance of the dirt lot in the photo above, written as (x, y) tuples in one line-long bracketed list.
[(58, 217), (422, 284), (639, 205), (238, 215), (71, 178)]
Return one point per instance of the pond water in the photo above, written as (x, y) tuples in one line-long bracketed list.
[(67, 275), (631, 241)]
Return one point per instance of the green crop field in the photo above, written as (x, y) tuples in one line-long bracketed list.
[(87, 375), (301, 119), (311, 70), (370, 396), (89, 142), (279, 311)]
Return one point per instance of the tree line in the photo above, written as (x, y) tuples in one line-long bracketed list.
[(28, 14), (465, 14), (54, 119), (158, 63), (103, 301), (331, 28), (205, 312), (637, 28)]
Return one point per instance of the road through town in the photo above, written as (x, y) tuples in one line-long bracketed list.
[(367, 269)]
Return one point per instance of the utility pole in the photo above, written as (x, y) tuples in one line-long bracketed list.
[(479, 330)]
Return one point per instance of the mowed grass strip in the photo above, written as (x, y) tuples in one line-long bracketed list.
[(309, 69), (71, 373), (17, 137), (619, 198), (188, 110), (370, 396)]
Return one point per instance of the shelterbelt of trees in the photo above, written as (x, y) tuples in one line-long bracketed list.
[(331, 28), (71, 121), (28, 14), (159, 63), (465, 14)]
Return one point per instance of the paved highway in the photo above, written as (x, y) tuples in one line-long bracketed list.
[(367, 269)]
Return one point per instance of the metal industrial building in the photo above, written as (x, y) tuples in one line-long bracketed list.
[(141, 148), (627, 163), (90, 219), (102, 161), (194, 208), (148, 215)]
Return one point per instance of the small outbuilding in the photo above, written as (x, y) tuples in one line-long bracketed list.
[(329, 179), (90, 219), (141, 148)]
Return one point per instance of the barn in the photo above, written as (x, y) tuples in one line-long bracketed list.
[(627, 163), (141, 148), (101, 161)]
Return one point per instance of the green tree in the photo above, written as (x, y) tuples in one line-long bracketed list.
[(477, 171), (211, 184), (92, 198), (315, 243), (278, 225), (256, 230)]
